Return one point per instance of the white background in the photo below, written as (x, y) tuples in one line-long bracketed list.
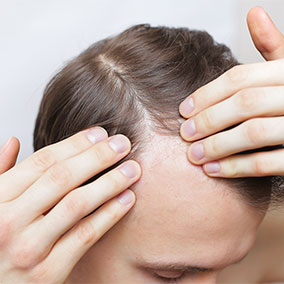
[(37, 37)]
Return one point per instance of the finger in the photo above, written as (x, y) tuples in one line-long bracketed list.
[(29, 170), (65, 176), (76, 242), (266, 37), (246, 104), (8, 154), (237, 78), (248, 165), (252, 134), (82, 202)]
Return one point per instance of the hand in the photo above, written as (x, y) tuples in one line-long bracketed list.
[(37, 248), (249, 95)]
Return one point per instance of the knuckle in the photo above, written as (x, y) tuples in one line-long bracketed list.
[(207, 120), (114, 181), (211, 147), (230, 168), (24, 256), (112, 214), (78, 142), (261, 167), (237, 74), (247, 101), (75, 205), (59, 174), (255, 131), (86, 233), (42, 159), (102, 154)]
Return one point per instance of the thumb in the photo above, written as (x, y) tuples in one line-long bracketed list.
[(8, 154), (266, 37)]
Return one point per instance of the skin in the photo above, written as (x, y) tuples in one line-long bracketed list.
[(28, 256), (34, 239), (255, 101), (149, 232), (254, 90), (250, 95), (264, 263)]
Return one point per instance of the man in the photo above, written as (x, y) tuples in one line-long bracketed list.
[(270, 42)]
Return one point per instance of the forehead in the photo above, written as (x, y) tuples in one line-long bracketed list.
[(182, 211)]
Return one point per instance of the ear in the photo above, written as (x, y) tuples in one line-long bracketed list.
[(266, 37), (9, 156)]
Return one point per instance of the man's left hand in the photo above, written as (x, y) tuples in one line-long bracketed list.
[(251, 96)]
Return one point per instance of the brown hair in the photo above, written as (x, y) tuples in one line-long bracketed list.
[(133, 84)]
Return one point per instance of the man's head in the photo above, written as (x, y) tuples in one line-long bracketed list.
[(181, 217), (133, 84)]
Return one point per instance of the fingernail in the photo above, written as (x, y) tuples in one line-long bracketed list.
[(187, 106), (129, 169), (197, 151), (126, 197), (119, 143), (189, 128), (97, 134), (213, 167), (5, 145)]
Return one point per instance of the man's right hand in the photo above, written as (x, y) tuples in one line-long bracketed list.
[(43, 248)]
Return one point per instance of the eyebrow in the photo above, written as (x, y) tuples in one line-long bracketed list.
[(180, 266)]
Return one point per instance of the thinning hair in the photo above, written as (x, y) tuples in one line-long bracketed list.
[(132, 84)]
